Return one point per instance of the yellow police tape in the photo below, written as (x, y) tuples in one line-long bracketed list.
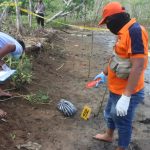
[(34, 14), (74, 26), (7, 4)]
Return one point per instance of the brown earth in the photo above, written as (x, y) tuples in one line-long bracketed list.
[(62, 69)]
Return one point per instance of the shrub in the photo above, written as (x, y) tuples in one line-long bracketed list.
[(23, 68)]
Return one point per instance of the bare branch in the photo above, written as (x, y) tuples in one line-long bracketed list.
[(65, 1), (68, 3), (63, 13), (55, 16), (66, 13), (4, 13)]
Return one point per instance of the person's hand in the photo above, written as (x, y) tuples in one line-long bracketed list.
[(5, 67), (1, 62), (36, 12), (123, 105), (102, 76)]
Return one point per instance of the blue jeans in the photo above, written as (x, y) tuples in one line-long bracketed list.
[(122, 124)]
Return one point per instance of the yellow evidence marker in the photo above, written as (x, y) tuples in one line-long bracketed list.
[(86, 112)]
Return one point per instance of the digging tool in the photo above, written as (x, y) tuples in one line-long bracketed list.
[(93, 83)]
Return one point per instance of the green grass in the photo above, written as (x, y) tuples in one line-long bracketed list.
[(40, 97)]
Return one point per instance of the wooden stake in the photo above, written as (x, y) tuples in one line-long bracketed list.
[(101, 103), (89, 69)]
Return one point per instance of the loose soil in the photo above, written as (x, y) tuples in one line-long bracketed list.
[(62, 68)]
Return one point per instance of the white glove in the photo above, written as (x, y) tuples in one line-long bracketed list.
[(36, 11), (102, 76), (123, 105)]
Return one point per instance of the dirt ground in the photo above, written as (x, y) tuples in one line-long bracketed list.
[(62, 70)]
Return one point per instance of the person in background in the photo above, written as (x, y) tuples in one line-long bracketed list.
[(39, 10), (125, 73), (9, 45)]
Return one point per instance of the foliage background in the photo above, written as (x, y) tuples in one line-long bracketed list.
[(91, 9), (89, 14)]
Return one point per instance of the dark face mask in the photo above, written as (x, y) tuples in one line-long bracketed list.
[(116, 22)]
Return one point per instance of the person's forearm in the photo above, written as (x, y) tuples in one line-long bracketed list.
[(1, 62), (132, 81), (134, 77), (6, 50)]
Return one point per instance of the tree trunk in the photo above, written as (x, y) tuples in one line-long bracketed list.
[(29, 15), (18, 19), (3, 15), (97, 8)]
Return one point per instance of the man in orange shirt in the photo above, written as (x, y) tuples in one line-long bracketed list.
[(125, 73)]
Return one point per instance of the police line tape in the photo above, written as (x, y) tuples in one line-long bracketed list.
[(8, 4), (34, 14), (73, 26)]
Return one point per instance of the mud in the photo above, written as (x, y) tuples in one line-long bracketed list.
[(62, 69)]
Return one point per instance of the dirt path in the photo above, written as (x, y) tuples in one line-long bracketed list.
[(63, 73)]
